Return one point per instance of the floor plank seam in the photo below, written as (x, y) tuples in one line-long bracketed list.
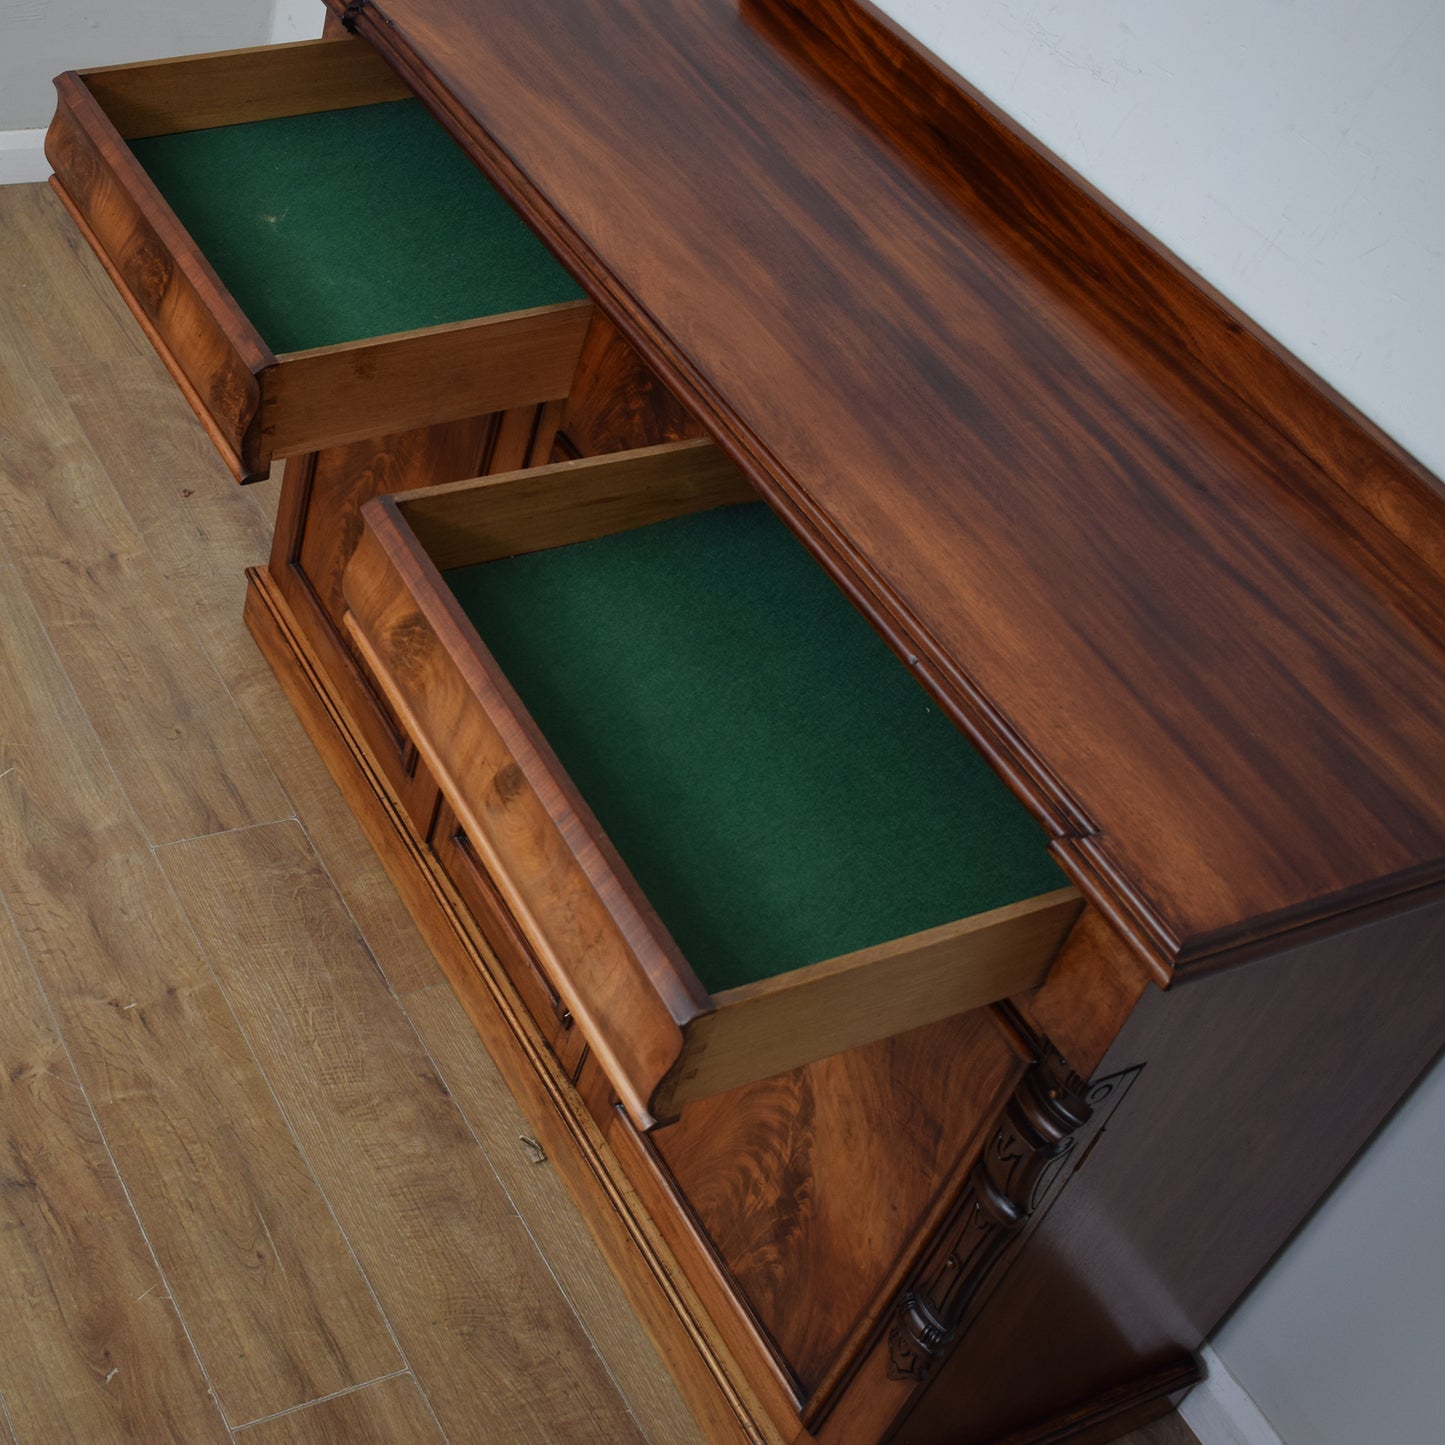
[(145, 549), (231, 1012), (356, 924), (100, 747), (351, 916), (291, 817), (161, 1276), (8, 1422), (334, 1395), (142, 513), (282, 1111), (526, 1224), (151, 556)]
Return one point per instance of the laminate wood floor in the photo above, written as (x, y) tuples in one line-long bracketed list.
[(260, 1181)]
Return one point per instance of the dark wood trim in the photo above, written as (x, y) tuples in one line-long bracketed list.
[(1034, 1136), (1126, 1407)]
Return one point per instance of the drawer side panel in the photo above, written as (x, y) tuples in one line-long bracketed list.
[(206, 344), (632, 1017)]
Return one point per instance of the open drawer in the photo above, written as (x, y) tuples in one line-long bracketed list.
[(735, 832), (310, 253)]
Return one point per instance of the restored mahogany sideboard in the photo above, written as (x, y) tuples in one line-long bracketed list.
[(996, 1178)]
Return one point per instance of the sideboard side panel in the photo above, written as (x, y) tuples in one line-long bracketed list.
[(1257, 1088)]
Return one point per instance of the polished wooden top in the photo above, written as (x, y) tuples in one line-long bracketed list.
[(1190, 604)]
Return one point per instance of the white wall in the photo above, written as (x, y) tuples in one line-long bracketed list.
[(40, 38), (1293, 152), (1342, 1341), (1289, 150)]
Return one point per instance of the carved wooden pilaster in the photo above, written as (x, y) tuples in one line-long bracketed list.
[(1035, 1134)]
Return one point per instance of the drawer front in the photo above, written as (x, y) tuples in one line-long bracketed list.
[(454, 852), (565, 919), (256, 401), (658, 1034)]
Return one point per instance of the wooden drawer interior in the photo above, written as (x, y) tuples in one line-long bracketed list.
[(314, 257), (737, 831)]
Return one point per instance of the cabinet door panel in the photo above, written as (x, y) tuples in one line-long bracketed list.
[(818, 1188)]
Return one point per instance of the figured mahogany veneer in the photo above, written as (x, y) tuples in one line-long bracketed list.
[(253, 403), (659, 1035)]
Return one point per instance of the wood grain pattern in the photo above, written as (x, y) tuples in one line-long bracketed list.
[(450, 1262), (68, 310), (542, 1199), (520, 818), (399, 949), (636, 1001), (269, 1290), (1092, 988), (186, 759), (911, 95), (816, 1188), (514, 440), (317, 530), (319, 524), (1065, 510), (234, 87), (547, 437), (454, 854), (199, 530), (206, 342), (390, 1412), (362, 389), (202, 533), (468, 522), (617, 403), (252, 404), (71, 1258), (950, 377), (91, 1346), (644, 1259), (768, 1378)]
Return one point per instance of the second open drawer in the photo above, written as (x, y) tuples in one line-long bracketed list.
[(734, 831), (313, 257)]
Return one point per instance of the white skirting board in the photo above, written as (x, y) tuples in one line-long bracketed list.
[(22, 156), (1220, 1411)]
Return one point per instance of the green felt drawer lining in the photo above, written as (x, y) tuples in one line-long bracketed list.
[(776, 781), (350, 224)]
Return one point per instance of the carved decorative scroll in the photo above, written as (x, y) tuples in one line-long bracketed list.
[(1036, 1134)]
